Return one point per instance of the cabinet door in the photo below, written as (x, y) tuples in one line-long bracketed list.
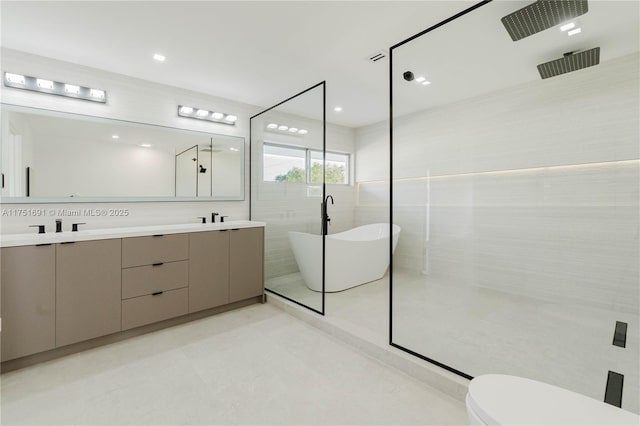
[(208, 270), (88, 288), (246, 263), (28, 300)]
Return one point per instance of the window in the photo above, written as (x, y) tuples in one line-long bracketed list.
[(301, 165), (284, 164), (337, 170)]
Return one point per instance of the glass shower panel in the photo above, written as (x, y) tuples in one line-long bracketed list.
[(518, 197), (187, 172), (287, 191)]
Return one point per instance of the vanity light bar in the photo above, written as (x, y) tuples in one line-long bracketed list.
[(35, 84), (286, 129), (204, 114)]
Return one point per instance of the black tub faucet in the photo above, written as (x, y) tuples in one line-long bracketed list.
[(325, 216), (58, 225), (213, 217)]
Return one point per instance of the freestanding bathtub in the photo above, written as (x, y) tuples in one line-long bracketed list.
[(353, 257)]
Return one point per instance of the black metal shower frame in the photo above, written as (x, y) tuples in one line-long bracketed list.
[(322, 84), (391, 49)]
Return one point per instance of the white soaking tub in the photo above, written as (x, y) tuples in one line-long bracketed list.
[(353, 257)]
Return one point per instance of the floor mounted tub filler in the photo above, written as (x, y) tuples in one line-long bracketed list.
[(353, 257)]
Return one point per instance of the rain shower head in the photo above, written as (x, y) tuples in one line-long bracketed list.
[(571, 61), (541, 15)]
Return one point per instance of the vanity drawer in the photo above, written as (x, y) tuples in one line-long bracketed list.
[(138, 251), (149, 309), (144, 280)]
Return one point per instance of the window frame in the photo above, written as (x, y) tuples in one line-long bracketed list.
[(307, 163)]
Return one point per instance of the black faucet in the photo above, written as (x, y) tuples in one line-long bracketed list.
[(325, 217), (58, 225), (213, 217), (74, 227), (40, 228), (222, 218), (203, 218)]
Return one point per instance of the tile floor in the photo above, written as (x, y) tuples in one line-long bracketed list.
[(256, 365), (565, 344)]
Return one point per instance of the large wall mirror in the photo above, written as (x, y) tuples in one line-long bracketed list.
[(51, 156)]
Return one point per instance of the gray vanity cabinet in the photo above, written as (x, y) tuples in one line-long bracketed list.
[(88, 287), (246, 263), (155, 279), (28, 300), (208, 269)]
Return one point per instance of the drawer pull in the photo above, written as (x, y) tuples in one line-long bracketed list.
[(69, 242), (159, 235), (223, 230), (42, 245), (157, 293), (235, 229), (158, 264)]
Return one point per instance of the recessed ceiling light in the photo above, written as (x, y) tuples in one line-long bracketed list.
[(420, 79), (95, 93), (186, 110), (72, 88), (158, 57), (293, 129), (115, 137), (272, 126), (568, 26), (44, 84), (15, 78), (574, 32), (337, 109), (231, 118), (426, 83), (303, 131), (202, 113), (217, 115), (283, 127), (146, 145)]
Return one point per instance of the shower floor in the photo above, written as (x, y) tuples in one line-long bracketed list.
[(569, 345)]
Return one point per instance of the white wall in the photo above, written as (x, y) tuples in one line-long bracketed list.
[(100, 169), (128, 99), (560, 220), (224, 168)]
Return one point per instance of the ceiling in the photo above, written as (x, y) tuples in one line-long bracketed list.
[(262, 52)]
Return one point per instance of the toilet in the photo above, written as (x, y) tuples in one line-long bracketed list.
[(498, 399)]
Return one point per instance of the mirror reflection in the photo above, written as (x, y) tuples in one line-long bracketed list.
[(53, 156)]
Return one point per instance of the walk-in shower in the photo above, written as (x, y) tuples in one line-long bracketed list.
[(518, 199)]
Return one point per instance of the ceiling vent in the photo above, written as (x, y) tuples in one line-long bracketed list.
[(571, 61), (541, 15), (378, 56)]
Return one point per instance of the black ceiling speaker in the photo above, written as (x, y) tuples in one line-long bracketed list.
[(571, 61), (541, 15)]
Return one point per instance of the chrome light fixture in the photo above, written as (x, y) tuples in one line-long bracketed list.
[(35, 84), (204, 114)]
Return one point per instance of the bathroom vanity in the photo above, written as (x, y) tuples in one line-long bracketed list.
[(65, 289)]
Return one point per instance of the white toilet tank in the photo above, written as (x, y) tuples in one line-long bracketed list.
[(497, 399)]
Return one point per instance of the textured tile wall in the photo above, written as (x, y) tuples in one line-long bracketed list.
[(532, 190)]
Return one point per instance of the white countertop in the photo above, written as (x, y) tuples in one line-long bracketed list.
[(15, 240)]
